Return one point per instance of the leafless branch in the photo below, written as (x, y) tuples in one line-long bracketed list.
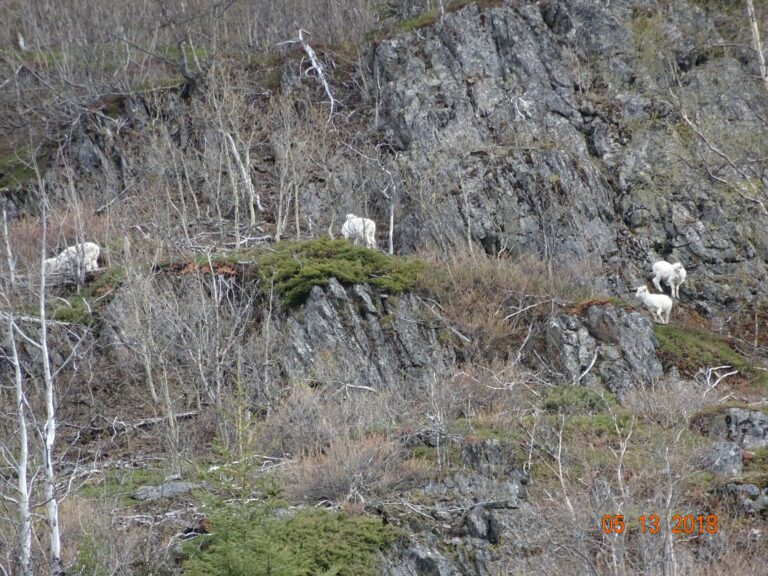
[(316, 66)]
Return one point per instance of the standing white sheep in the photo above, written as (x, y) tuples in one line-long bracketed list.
[(673, 275), (359, 230), (69, 257), (659, 304)]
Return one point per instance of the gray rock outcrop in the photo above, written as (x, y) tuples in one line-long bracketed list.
[(362, 338), (747, 428), (607, 347), (751, 499), (167, 490), (472, 510), (736, 432), (724, 459)]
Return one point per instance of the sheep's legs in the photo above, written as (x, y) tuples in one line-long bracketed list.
[(657, 284)]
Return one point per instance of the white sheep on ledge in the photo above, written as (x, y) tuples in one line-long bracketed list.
[(68, 258), (673, 275), (359, 230), (659, 304)]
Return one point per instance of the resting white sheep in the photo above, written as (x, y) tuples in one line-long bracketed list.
[(659, 304), (359, 230), (68, 258), (671, 274)]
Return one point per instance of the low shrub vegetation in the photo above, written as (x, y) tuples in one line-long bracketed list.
[(257, 540), (691, 350), (84, 307), (577, 400), (495, 300), (296, 267)]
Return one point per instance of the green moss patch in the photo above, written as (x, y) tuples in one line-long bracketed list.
[(758, 462), (120, 483), (577, 400), (479, 430), (255, 540), (598, 426), (756, 468), (296, 267), (84, 307), (426, 18), (691, 350)]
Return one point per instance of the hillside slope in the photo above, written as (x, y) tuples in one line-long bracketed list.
[(477, 396)]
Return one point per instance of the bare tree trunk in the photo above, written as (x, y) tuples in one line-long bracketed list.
[(76, 268), (280, 202), (236, 199), (391, 225), (22, 462), (50, 422), (8, 254), (317, 67), (142, 303), (246, 178), (758, 45), (170, 414), (465, 194), (25, 536), (296, 211)]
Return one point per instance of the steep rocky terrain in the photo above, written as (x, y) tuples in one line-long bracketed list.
[(491, 390)]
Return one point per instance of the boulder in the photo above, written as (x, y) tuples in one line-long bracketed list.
[(607, 346)]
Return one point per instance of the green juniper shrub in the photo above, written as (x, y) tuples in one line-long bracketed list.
[(296, 267), (252, 540)]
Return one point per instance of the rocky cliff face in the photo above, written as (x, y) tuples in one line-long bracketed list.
[(559, 129), (350, 336), (364, 339), (608, 348)]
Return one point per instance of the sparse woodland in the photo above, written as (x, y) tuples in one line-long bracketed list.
[(238, 390)]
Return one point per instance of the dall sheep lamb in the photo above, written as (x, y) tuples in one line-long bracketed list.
[(671, 274), (68, 258), (659, 304), (359, 230)]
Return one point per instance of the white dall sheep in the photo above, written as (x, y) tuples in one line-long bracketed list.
[(359, 230), (671, 274), (87, 252), (659, 304)]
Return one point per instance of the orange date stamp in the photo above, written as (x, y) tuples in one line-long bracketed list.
[(686, 524)]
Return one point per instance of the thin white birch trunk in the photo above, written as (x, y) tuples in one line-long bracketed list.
[(25, 535), (52, 504), (8, 254), (245, 177)]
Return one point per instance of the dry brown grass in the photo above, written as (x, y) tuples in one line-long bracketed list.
[(494, 300), (353, 470), (90, 545), (308, 419), (667, 404), (63, 227)]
